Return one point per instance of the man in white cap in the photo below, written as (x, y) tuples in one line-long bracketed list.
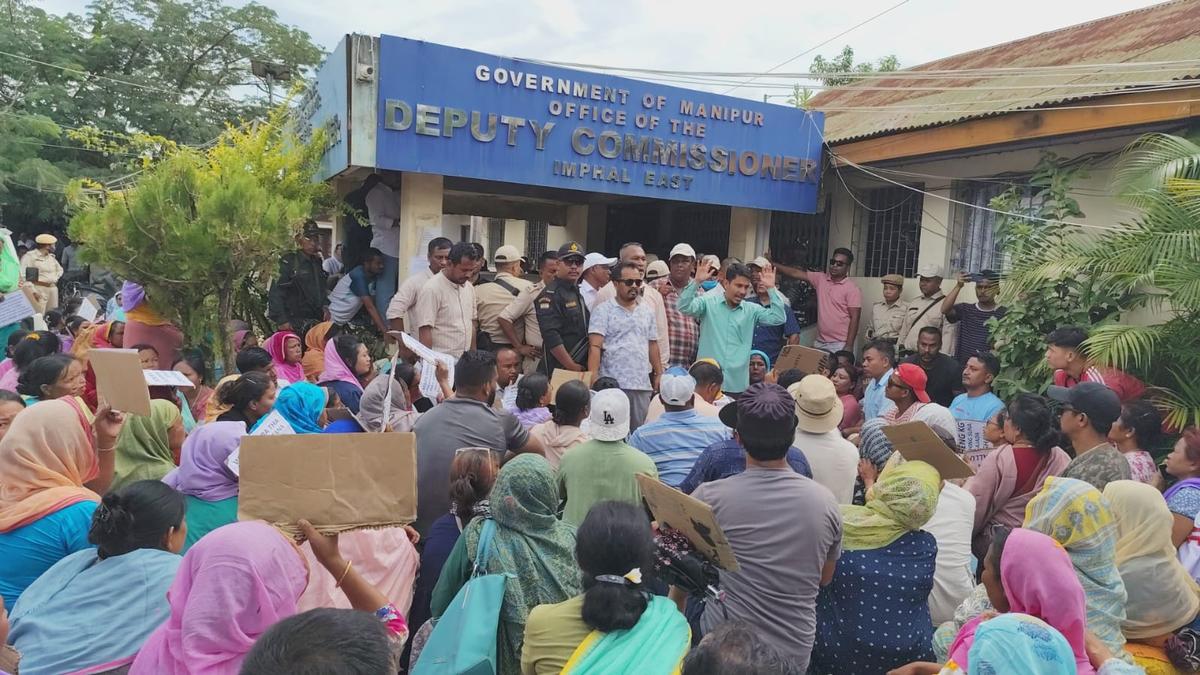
[(770, 339), (657, 270), (492, 297), (604, 467), (679, 436), (683, 331), (923, 311), (42, 284), (633, 253), (833, 459), (593, 276)]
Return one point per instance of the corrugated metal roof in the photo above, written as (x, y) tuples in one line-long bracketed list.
[(1169, 32)]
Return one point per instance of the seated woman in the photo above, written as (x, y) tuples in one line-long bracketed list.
[(313, 360), (347, 365), (572, 404), (52, 465), (14, 339), (533, 399), (1162, 595), (472, 474), (874, 614), (32, 347), (615, 623), (51, 377), (193, 400), (401, 414), (1013, 473), (845, 381), (149, 447), (246, 399), (302, 405), (99, 336), (94, 609), (10, 405), (144, 325), (207, 484), (530, 542), (286, 353), (760, 363), (236, 583), (1183, 498), (1078, 517), (1138, 427)]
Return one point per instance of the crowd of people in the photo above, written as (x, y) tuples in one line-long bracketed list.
[(1070, 550)]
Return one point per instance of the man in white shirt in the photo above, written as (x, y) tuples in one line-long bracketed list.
[(445, 316), (405, 299), (383, 209), (833, 459), (633, 252), (595, 275), (333, 264)]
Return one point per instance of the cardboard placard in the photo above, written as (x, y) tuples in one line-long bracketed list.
[(338, 482), (119, 380), (690, 517), (14, 307), (561, 376), (807, 359), (916, 441)]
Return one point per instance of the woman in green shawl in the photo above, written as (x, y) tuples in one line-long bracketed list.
[(148, 446), (531, 545)]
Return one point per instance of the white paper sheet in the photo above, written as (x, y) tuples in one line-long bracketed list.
[(273, 425), (429, 358), (87, 310), (14, 308), (166, 378)]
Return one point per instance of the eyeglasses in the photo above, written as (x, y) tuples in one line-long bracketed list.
[(896, 384), (571, 262), (630, 282), (834, 262)]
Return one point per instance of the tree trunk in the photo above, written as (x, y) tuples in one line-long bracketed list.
[(223, 350)]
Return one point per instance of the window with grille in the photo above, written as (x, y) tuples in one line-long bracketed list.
[(495, 236), (535, 238), (800, 240), (974, 245), (888, 223)]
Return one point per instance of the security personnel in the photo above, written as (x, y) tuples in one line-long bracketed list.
[(562, 315), (887, 315)]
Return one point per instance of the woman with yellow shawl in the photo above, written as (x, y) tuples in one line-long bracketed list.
[(874, 615), (1163, 597), (313, 360), (53, 463)]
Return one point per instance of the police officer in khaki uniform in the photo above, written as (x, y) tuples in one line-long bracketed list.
[(925, 311), (562, 314), (887, 315), (492, 297)]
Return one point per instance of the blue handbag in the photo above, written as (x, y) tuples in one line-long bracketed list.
[(463, 641)]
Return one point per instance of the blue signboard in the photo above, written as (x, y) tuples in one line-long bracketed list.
[(323, 106), (457, 112)]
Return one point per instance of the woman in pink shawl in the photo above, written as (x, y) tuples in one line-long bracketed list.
[(1014, 472), (286, 352), (143, 325), (347, 365), (232, 586)]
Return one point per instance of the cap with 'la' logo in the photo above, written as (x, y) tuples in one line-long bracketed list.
[(609, 420)]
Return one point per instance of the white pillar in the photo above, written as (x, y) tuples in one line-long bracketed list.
[(420, 209), (744, 232)]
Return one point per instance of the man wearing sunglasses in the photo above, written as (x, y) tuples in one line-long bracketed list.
[(623, 337), (839, 301), (1087, 414)]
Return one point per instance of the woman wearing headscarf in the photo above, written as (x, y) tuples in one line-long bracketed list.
[(401, 416), (347, 363), (235, 584), (313, 361), (149, 446), (209, 486), (1016, 643), (145, 326), (874, 614), (98, 336), (1014, 472), (286, 353), (760, 364), (530, 543), (1079, 518), (302, 405), (53, 464), (615, 625), (1163, 597), (93, 610)]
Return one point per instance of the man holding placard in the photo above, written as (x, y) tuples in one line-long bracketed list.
[(973, 409)]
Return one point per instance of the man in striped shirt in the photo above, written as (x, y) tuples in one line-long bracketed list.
[(1072, 366), (679, 436)]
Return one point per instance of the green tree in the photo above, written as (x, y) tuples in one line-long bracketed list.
[(1153, 261), (179, 69), (199, 225), (1042, 293), (844, 63), (800, 96)]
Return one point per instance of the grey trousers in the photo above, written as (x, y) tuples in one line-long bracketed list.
[(639, 405)]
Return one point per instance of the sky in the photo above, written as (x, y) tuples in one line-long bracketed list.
[(692, 35)]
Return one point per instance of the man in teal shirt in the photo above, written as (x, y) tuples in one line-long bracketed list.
[(727, 324)]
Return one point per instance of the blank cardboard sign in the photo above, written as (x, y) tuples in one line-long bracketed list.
[(691, 517), (119, 380), (338, 482), (807, 359), (561, 376), (916, 441)]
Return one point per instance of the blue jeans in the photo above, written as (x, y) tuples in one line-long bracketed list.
[(386, 284)]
